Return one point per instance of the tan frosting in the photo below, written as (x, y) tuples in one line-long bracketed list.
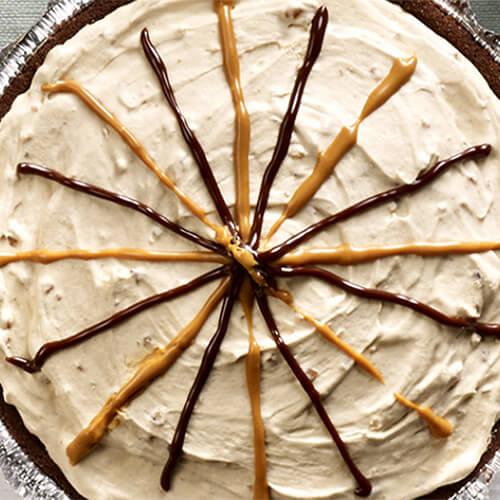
[(442, 109)]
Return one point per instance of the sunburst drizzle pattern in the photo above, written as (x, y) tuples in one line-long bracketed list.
[(248, 271)]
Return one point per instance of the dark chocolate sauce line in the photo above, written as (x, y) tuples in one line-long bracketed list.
[(205, 369), (364, 486), (317, 35), (490, 329), (125, 201), (199, 155), (47, 350), (423, 179)]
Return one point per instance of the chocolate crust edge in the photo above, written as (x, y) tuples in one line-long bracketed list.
[(450, 29), (32, 446), (425, 10), (66, 30)]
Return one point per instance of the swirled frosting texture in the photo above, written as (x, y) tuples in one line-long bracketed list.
[(444, 108)]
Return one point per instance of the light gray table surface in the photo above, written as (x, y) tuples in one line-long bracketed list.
[(16, 16)]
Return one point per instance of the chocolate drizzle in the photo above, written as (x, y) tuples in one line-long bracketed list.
[(199, 155), (364, 487), (119, 199), (374, 201), (247, 263), (46, 351), (318, 30), (206, 366), (490, 329)]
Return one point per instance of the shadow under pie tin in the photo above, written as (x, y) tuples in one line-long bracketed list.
[(452, 19)]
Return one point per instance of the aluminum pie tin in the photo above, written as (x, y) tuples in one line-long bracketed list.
[(26, 479)]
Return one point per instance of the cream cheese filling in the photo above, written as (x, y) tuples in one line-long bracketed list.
[(445, 107)]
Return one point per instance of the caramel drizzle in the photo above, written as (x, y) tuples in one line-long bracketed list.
[(119, 199), (364, 486), (438, 426), (261, 487), (242, 118), (490, 329), (401, 71), (347, 254), (44, 256), (475, 152), (47, 350), (328, 334), (150, 368), (199, 155), (132, 142), (241, 253), (206, 366), (316, 37)]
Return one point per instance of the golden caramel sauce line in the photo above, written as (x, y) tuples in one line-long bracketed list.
[(44, 256), (348, 254), (151, 367), (261, 486), (242, 118), (240, 253), (329, 335), (242, 186), (135, 145), (438, 426), (400, 73)]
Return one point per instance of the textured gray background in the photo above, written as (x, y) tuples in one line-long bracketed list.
[(16, 16), (488, 12)]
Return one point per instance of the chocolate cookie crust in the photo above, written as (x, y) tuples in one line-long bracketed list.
[(89, 15), (450, 29), (425, 10), (32, 446)]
